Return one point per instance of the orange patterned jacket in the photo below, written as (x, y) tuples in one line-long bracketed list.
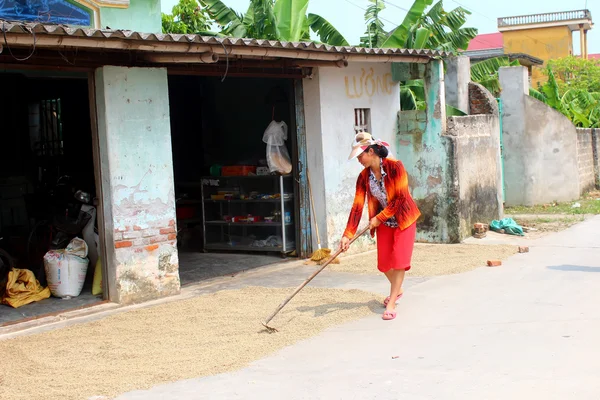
[(400, 203)]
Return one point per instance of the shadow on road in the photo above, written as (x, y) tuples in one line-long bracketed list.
[(574, 268), (324, 309)]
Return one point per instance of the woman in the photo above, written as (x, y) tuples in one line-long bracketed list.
[(392, 212)]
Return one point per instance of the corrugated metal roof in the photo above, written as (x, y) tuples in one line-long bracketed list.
[(11, 27)]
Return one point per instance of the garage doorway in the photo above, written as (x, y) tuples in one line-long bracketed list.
[(48, 180), (232, 214)]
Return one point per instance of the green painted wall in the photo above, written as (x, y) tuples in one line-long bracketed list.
[(141, 16), (427, 155)]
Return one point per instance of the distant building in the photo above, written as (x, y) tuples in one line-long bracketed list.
[(534, 39)]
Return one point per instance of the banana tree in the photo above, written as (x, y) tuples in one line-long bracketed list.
[(486, 72), (579, 105), (436, 29), (375, 35), (283, 20)]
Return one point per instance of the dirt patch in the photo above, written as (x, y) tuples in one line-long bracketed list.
[(543, 224), (181, 340), (433, 259)]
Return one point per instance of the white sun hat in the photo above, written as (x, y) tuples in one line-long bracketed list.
[(362, 141)]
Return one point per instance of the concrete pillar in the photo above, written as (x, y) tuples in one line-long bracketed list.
[(585, 41), (435, 97), (458, 76), (137, 183), (515, 85), (582, 41)]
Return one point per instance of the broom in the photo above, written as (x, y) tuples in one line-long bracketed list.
[(321, 253), (331, 259)]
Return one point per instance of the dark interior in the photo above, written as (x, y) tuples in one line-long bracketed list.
[(216, 122), (45, 135)]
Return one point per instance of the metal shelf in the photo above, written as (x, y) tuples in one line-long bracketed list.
[(223, 223), (249, 201), (225, 246), (248, 177), (283, 201), (212, 178)]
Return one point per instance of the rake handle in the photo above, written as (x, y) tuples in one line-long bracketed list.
[(310, 278)]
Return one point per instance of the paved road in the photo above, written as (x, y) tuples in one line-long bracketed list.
[(527, 330)]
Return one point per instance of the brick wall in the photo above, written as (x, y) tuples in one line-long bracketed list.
[(144, 238), (585, 160), (481, 100)]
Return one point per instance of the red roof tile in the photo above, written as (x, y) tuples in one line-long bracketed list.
[(594, 56), (486, 41)]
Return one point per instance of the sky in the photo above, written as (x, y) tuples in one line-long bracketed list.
[(348, 15)]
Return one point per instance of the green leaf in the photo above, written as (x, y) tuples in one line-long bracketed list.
[(264, 23), (550, 90), (290, 16), (398, 36), (456, 18), (408, 100), (416, 86), (454, 112), (421, 38), (488, 67), (486, 73), (537, 95), (436, 13), (224, 16), (460, 39), (327, 33), (375, 34)]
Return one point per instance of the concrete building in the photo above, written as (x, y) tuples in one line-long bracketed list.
[(535, 37), (149, 123), (491, 45), (143, 120), (135, 15)]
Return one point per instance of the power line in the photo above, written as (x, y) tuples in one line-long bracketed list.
[(495, 20), (394, 5), (404, 9), (462, 5), (364, 9)]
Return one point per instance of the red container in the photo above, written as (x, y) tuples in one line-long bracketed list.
[(185, 212), (238, 170)]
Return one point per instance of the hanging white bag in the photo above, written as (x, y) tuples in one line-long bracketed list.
[(278, 157)]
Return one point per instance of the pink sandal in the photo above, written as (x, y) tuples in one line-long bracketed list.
[(388, 315), (387, 299)]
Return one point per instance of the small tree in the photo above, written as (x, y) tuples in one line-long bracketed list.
[(375, 34), (575, 73), (187, 17), (283, 20), (580, 105)]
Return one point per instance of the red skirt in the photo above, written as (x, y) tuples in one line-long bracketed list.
[(395, 247)]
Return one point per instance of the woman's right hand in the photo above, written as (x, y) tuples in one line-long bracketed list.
[(345, 243)]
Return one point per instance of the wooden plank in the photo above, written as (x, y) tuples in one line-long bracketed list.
[(102, 253), (305, 240)]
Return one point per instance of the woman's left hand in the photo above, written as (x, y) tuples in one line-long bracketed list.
[(374, 223)]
